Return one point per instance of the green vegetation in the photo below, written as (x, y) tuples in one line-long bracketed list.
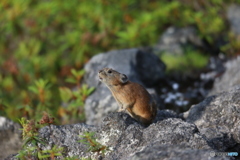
[(61, 102), (45, 44), (30, 149), (31, 140), (184, 63), (93, 146)]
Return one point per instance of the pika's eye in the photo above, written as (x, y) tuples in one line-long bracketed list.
[(109, 71)]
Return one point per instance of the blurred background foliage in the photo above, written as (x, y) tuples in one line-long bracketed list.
[(45, 44)]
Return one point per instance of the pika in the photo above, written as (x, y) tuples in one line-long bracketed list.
[(130, 96)]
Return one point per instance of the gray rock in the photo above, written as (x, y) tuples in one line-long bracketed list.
[(98, 105), (174, 131), (175, 152), (233, 16), (10, 137), (164, 114), (229, 79), (218, 119), (140, 66), (175, 40), (124, 137), (211, 126), (68, 137)]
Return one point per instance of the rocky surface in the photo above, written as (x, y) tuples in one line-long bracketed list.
[(67, 137), (126, 139), (218, 119), (140, 66), (229, 79), (124, 136), (233, 13), (210, 127), (10, 137), (175, 152)]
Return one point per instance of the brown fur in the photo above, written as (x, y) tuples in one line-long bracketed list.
[(130, 96)]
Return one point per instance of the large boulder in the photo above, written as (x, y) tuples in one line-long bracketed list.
[(218, 119), (229, 79), (10, 137), (140, 66)]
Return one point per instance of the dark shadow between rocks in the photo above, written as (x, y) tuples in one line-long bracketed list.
[(165, 114)]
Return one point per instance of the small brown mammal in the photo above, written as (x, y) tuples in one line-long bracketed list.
[(130, 96)]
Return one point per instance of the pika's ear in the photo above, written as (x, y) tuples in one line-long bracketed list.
[(123, 78)]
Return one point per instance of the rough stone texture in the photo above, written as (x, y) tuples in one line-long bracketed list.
[(128, 138), (229, 79), (218, 119), (67, 136), (124, 136), (164, 114), (10, 137), (140, 66), (233, 15), (211, 126), (175, 152), (175, 40)]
